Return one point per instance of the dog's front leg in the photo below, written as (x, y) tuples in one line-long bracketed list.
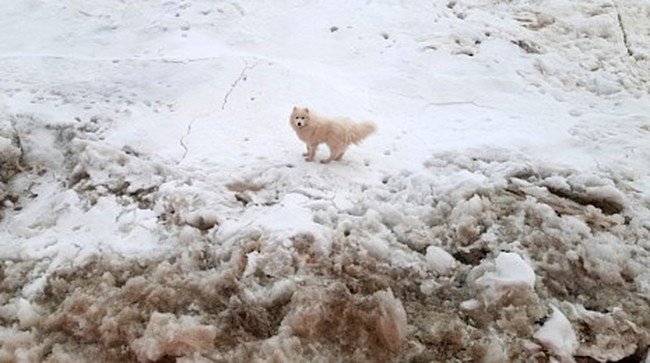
[(311, 152)]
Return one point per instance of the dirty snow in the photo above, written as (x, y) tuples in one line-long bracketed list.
[(155, 204)]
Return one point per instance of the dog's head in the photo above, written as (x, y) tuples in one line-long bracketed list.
[(299, 117)]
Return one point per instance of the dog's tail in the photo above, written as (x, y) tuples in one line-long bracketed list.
[(360, 131)]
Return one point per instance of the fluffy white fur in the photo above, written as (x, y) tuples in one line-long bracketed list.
[(337, 133)]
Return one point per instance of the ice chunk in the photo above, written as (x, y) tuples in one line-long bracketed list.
[(512, 274), (376, 247), (168, 335), (604, 256), (28, 315), (558, 336), (202, 219), (392, 320), (15, 346), (8, 152), (557, 182), (252, 261), (9, 159), (470, 304), (439, 260), (512, 269), (642, 282)]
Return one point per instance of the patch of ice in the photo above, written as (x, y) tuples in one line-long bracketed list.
[(342, 201), (290, 215)]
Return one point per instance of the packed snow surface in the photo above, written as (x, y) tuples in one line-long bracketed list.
[(156, 205)]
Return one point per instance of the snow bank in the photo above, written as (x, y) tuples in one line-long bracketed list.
[(354, 283)]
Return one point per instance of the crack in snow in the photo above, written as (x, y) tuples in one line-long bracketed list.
[(242, 76), (429, 103), (182, 140), (454, 103), (183, 60), (622, 27)]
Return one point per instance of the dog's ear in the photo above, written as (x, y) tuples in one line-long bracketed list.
[(306, 110), (295, 108)]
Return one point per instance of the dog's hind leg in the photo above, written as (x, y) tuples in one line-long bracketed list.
[(336, 152), (340, 155)]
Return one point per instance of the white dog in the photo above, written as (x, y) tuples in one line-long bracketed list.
[(337, 133)]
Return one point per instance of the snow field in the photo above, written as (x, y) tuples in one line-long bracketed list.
[(155, 205)]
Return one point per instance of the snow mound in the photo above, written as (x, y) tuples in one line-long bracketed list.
[(356, 280)]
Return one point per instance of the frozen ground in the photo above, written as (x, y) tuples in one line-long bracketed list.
[(155, 205)]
